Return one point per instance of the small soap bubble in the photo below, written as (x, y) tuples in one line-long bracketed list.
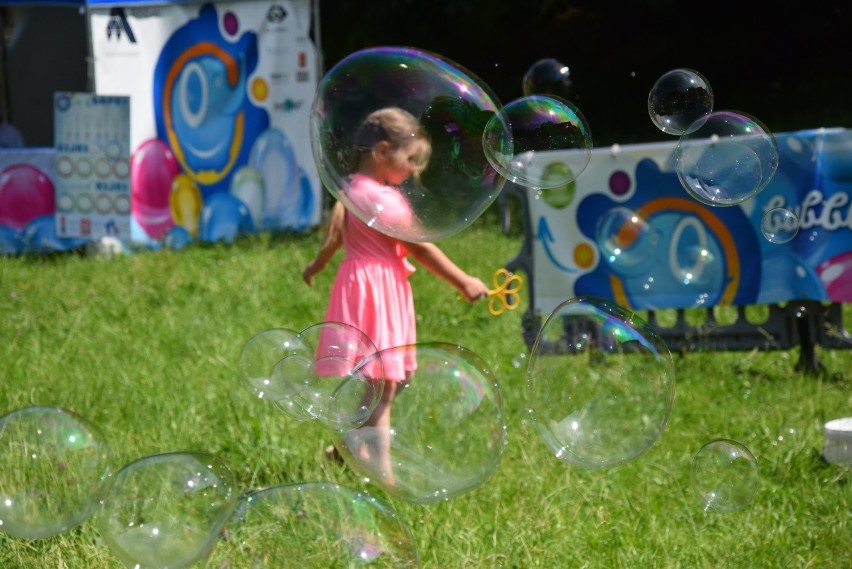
[(543, 130), (548, 76), (331, 381), (726, 157), (54, 467), (397, 137), (725, 476), (315, 524), (444, 432), (165, 511), (626, 241), (600, 383), (679, 98), (779, 225)]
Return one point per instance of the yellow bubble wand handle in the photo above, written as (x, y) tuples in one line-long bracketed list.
[(504, 296)]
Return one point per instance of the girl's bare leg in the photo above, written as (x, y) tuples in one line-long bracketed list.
[(378, 445)]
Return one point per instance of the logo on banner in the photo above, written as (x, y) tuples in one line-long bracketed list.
[(276, 14), (119, 25)]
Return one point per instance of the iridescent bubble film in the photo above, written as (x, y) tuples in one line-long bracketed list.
[(441, 180), (600, 383), (725, 475), (54, 466), (626, 241), (679, 98), (165, 511), (314, 526), (779, 225), (445, 432), (544, 130), (332, 381), (726, 157), (548, 76)]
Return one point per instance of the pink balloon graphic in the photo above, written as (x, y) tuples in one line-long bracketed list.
[(153, 167), (25, 194), (836, 275)]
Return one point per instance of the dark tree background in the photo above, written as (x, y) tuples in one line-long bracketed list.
[(787, 63)]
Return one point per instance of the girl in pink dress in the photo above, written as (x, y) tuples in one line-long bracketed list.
[(371, 290)]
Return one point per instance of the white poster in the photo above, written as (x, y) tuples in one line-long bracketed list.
[(92, 139), (221, 98)]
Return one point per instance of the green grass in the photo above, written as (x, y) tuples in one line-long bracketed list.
[(145, 347)]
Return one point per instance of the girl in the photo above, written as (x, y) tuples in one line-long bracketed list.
[(371, 290)]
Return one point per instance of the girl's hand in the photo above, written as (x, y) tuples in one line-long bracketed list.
[(309, 272), (474, 289)]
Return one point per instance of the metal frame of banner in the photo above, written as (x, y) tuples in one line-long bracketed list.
[(806, 324)]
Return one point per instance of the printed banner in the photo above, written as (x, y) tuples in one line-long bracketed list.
[(628, 231), (221, 96), (92, 140)]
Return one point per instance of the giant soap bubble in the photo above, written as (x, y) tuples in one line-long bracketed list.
[(53, 469), (165, 511), (446, 430), (314, 525), (726, 157), (420, 113), (600, 383), (545, 130), (548, 76)]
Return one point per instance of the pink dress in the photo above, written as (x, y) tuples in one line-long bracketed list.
[(371, 290)]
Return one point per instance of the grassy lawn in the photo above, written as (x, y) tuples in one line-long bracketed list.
[(145, 346)]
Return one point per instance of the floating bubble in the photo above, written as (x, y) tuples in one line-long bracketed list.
[(166, 510), (544, 129), (314, 525), (678, 99), (779, 225), (548, 76), (725, 476), (426, 118), (53, 470), (600, 383), (331, 381), (726, 157), (626, 241), (259, 356), (445, 430)]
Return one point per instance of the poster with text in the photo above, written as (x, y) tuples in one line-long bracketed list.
[(92, 165)]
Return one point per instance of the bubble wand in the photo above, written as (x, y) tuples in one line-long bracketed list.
[(504, 295)]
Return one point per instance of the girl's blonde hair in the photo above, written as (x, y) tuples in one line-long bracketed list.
[(394, 125)]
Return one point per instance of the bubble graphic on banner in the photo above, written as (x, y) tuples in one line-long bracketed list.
[(626, 241), (224, 218), (247, 184), (779, 225), (26, 193), (445, 430), (39, 237), (153, 168), (273, 157), (836, 276), (600, 383), (679, 98), (185, 203), (166, 510), (544, 129), (315, 525), (725, 476), (54, 466), (726, 157), (548, 76), (423, 98), (177, 239), (338, 381)]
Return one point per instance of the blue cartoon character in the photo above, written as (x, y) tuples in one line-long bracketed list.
[(201, 103)]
